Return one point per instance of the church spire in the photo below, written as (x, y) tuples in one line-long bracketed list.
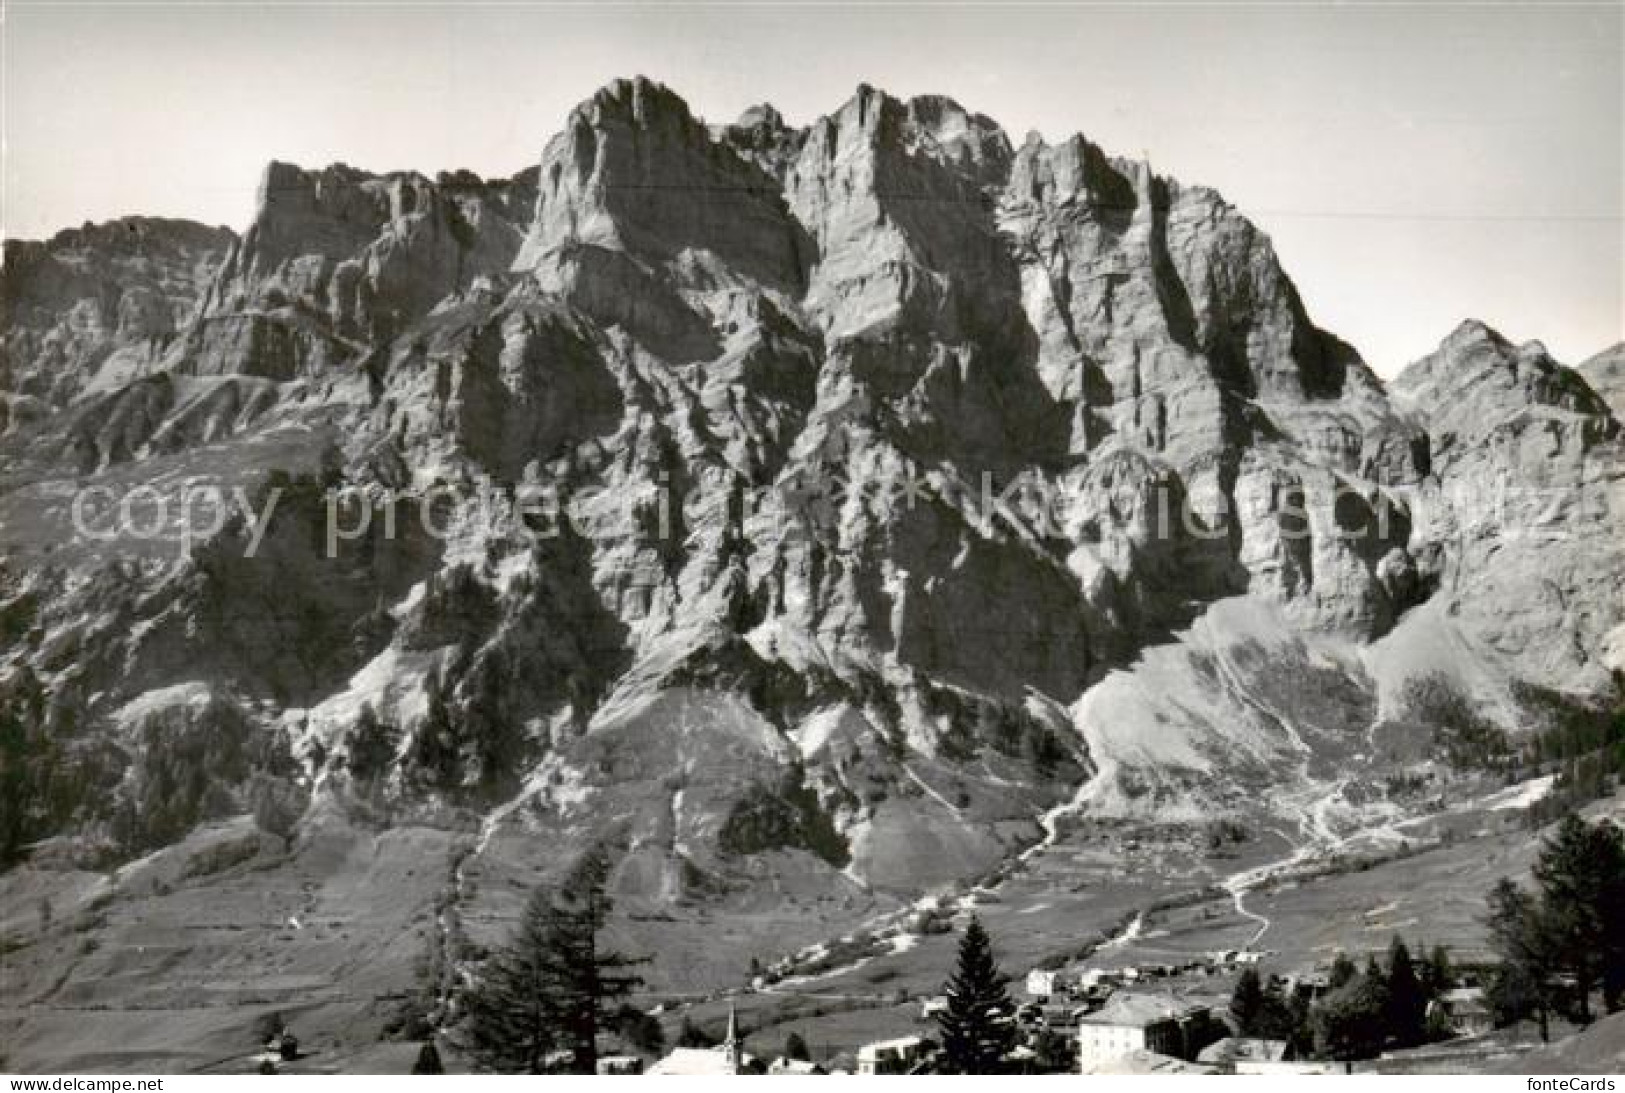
[(730, 1043)]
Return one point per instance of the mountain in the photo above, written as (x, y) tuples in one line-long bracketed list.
[(823, 516), (94, 305), (1605, 372)]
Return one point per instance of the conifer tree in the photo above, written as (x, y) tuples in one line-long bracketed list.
[(1349, 1021), (551, 988), (1247, 1003), (1407, 1000), (1260, 1009), (592, 980), (1581, 876), (977, 1026), (371, 745), (512, 1020), (1438, 975), (428, 1060), (1342, 973), (1520, 937)]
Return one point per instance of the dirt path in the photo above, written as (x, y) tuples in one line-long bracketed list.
[(1238, 896), (1319, 838), (1128, 935)]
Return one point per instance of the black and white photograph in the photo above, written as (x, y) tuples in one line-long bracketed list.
[(1071, 539)]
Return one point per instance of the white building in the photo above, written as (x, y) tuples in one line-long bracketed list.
[(1131, 1023), (891, 1056), (1468, 1012), (1043, 983), (1099, 977), (620, 1064), (696, 1061), (727, 1057)]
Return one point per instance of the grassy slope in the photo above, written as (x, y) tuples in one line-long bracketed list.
[(1599, 1049)]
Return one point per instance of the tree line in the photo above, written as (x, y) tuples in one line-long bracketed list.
[(1563, 940), (1389, 1004)]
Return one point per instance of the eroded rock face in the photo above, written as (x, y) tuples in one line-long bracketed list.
[(913, 480), (636, 173), (339, 260), (1606, 374), (1480, 391), (93, 307), (1525, 505)]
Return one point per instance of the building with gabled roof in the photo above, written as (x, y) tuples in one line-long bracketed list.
[(1133, 1022), (728, 1057)]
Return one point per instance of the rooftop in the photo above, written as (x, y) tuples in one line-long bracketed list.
[(1145, 1062), (879, 1047), (1243, 1047), (1139, 1010), (695, 1060)]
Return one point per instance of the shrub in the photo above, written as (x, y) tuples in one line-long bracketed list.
[(790, 815), (1469, 740)]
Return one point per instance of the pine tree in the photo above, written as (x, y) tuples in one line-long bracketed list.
[(977, 1026), (592, 980), (436, 754), (428, 1061), (1299, 1023), (1515, 993), (1349, 1021), (1407, 1001), (1259, 1009), (1581, 875), (28, 758), (371, 745), (1520, 937), (512, 1022), (1247, 1003), (1277, 1020), (1373, 969), (1438, 976), (1342, 973), (796, 1048), (551, 988)]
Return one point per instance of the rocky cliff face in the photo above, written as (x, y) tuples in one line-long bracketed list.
[(339, 260), (1605, 372), (1524, 507), (93, 307), (922, 487)]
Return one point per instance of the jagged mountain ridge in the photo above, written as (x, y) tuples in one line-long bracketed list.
[(878, 689), (95, 304)]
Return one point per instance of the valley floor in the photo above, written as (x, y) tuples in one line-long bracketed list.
[(166, 966)]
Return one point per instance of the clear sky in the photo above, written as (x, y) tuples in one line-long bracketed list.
[(1415, 164)]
